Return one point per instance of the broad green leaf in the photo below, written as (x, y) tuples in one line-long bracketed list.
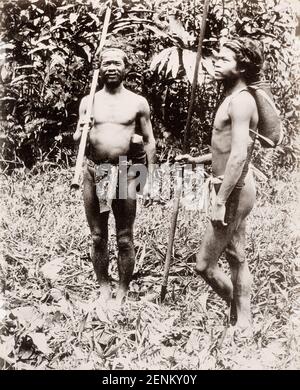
[(189, 62), (173, 63), (162, 56), (176, 27), (163, 62)]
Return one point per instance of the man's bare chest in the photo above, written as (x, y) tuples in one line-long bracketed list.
[(118, 112), (222, 120)]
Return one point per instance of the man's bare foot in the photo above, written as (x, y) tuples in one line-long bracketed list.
[(243, 334), (113, 309), (105, 292), (121, 296), (114, 306), (102, 309)]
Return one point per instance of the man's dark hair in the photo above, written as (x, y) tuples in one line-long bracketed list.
[(116, 50), (249, 57)]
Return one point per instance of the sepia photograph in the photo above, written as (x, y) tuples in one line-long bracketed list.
[(149, 187)]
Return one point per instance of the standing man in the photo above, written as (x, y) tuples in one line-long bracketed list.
[(120, 118), (237, 65)]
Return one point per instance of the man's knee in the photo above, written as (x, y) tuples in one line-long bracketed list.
[(207, 272), (234, 257), (125, 240), (98, 240), (202, 268)]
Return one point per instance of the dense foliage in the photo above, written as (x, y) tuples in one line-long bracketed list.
[(48, 53)]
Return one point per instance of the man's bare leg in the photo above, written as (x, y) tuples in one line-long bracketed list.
[(98, 223), (213, 244), (235, 254), (241, 277), (124, 212)]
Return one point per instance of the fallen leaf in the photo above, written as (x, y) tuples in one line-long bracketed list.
[(40, 341), (51, 270), (6, 347), (25, 314)]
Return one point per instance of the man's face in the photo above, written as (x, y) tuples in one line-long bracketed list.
[(226, 65), (112, 68)]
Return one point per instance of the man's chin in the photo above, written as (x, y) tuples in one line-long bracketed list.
[(112, 83)]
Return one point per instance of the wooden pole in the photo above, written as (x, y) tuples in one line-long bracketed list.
[(90, 101), (185, 145), (195, 79)]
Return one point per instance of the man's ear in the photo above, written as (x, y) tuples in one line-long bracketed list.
[(241, 69)]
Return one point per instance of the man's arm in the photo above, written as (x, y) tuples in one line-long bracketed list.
[(240, 112), (150, 149), (82, 111), (188, 159), (147, 133), (205, 159)]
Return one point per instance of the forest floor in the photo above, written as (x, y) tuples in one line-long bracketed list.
[(49, 317)]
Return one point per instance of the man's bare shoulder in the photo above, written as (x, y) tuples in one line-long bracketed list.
[(84, 100), (138, 100), (99, 94), (134, 96), (242, 104)]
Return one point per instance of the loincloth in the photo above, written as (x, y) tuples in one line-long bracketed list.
[(107, 180)]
